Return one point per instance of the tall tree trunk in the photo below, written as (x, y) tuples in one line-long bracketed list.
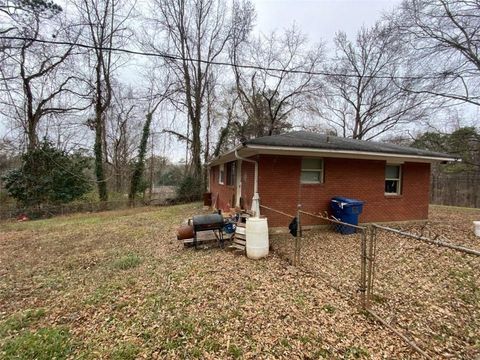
[(140, 163), (98, 146), (196, 149)]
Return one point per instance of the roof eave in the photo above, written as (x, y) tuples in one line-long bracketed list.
[(283, 150), (222, 158), (254, 149)]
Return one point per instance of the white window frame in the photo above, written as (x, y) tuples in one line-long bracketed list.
[(221, 171), (320, 171), (399, 180)]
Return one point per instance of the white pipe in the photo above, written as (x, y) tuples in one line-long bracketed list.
[(208, 178), (256, 198), (255, 181)]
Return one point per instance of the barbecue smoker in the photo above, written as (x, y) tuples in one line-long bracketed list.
[(211, 222)]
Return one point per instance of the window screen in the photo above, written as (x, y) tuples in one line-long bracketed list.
[(312, 171), (392, 179)]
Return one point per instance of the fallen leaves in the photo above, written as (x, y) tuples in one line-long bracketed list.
[(431, 294), (121, 284)]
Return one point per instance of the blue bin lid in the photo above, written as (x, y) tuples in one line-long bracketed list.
[(347, 200)]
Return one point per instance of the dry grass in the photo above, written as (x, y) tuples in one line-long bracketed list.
[(430, 293), (433, 293), (118, 285)]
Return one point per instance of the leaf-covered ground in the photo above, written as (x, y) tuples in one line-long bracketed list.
[(431, 294), (117, 285)]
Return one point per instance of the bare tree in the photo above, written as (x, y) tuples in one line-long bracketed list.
[(105, 21), (444, 39), (269, 97), (196, 33), (123, 128), (157, 93), (37, 80), (14, 12), (227, 109), (367, 95)]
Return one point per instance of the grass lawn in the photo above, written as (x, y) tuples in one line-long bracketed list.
[(118, 285)]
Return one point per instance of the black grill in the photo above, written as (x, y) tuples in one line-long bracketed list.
[(206, 223)]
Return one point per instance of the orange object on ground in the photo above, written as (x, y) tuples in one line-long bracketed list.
[(185, 232)]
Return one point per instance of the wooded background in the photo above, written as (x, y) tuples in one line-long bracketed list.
[(107, 99), (461, 189)]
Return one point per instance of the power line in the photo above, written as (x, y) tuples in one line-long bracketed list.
[(222, 63)]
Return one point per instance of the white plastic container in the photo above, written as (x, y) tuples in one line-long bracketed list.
[(257, 238), (476, 225)]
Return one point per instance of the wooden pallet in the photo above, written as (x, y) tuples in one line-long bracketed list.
[(239, 240)]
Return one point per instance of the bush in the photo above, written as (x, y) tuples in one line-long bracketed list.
[(48, 176), (190, 189)]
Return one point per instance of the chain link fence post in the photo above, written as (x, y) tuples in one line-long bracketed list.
[(363, 269)]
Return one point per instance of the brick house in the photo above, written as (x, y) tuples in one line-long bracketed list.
[(309, 169)]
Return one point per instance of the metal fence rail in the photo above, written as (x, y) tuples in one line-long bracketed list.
[(282, 243)]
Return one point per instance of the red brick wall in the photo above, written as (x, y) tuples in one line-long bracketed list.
[(280, 188), (223, 193)]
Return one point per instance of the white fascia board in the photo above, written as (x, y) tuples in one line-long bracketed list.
[(225, 157), (349, 154)]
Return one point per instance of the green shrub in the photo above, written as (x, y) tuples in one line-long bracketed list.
[(190, 189), (48, 175)]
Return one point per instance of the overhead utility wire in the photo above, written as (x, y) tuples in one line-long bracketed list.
[(220, 63)]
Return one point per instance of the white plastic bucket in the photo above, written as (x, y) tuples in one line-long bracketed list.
[(257, 238), (476, 225)]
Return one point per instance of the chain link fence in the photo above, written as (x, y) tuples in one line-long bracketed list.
[(332, 251), (426, 287), (412, 279)]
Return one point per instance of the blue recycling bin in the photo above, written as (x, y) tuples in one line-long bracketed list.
[(346, 210)]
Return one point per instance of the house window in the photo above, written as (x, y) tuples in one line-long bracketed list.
[(231, 173), (393, 175), (312, 171), (221, 174)]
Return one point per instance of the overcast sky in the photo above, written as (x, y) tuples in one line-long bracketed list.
[(320, 19)]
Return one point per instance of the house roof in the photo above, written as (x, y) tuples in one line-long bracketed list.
[(308, 143), (305, 139)]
